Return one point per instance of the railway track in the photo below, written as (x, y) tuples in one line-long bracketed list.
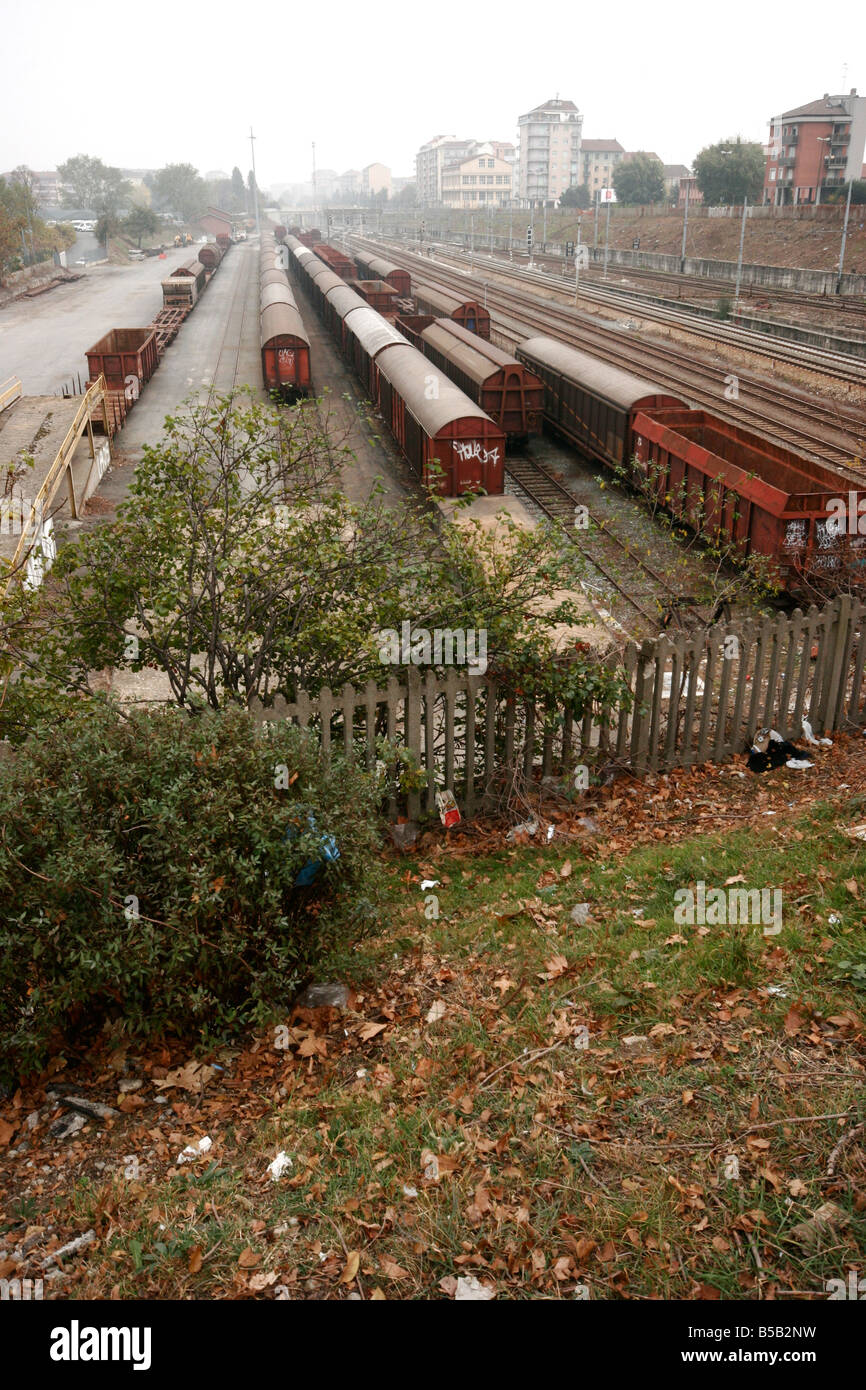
[(601, 545), (772, 410)]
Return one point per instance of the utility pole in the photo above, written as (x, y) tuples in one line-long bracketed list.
[(577, 266), (314, 184), (844, 237), (597, 196), (685, 228), (544, 228), (471, 242), (511, 233), (255, 184), (740, 257), (606, 236), (531, 265)]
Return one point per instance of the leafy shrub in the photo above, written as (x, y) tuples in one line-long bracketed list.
[(148, 872)]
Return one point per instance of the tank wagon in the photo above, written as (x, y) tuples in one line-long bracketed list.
[(440, 305), (506, 389)]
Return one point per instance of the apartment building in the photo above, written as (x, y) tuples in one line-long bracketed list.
[(598, 162), (482, 180), (550, 151), (815, 148)]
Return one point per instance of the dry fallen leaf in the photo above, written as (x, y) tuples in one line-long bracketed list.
[(195, 1259), (248, 1259), (370, 1030), (437, 1010), (350, 1269)]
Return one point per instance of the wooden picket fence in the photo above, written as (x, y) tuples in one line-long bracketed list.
[(693, 699)]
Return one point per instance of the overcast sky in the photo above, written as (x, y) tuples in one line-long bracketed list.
[(151, 83)]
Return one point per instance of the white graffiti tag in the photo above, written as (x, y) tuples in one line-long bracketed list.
[(468, 451)]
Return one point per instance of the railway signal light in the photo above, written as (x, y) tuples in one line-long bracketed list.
[(529, 237)]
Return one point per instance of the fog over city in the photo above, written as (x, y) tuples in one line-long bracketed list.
[(668, 79)]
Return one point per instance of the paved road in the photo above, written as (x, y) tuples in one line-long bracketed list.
[(43, 340)]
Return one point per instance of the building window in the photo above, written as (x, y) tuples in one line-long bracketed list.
[(466, 178), (481, 164)]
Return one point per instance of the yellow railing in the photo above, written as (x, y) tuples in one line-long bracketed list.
[(58, 470), (10, 390)]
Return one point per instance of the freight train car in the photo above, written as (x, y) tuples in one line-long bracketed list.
[(449, 441), (589, 402), (338, 261), (452, 445), (506, 389), (372, 267), (182, 288), (285, 347), (379, 295), (737, 488), (124, 354), (210, 255), (440, 305)]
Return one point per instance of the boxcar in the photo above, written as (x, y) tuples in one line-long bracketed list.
[(468, 312), (508, 391), (122, 354), (339, 303), (377, 268), (338, 261), (589, 402), (366, 335), (321, 280), (451, 444), (739, 488), (285, 346), (210, 255), (378, 293)]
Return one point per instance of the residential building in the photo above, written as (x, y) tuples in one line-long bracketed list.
[(216, 223), (481, 180), (376, 178), (815, 148), (688, 188), (550, 140), (430, 162), (48, 188), (673, 176), (598, 162)]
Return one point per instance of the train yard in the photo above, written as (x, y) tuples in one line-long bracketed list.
[(754, 399), (488, 381)]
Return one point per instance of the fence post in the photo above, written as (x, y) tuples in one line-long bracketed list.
[(640, 724), (413, 733)]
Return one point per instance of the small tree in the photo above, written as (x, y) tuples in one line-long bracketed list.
[(730, 171), (577, 196), (640, 180), (141, 222)]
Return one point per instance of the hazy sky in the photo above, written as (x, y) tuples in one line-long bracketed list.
[(145, 84)]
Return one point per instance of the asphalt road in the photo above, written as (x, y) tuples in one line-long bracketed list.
[(43, 340)]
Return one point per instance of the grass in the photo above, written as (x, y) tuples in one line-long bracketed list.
[(451, 1122)]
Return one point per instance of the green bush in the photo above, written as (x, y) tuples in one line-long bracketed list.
[(180, 820)]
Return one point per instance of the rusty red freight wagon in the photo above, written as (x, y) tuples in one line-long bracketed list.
[(377, 268), (436, 302), (449, 441), (366, 335), (506, 389), (379, 295), (338, 261), (590, 402), (124, 354), (210, 255), (735, 487), (285, 347)]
